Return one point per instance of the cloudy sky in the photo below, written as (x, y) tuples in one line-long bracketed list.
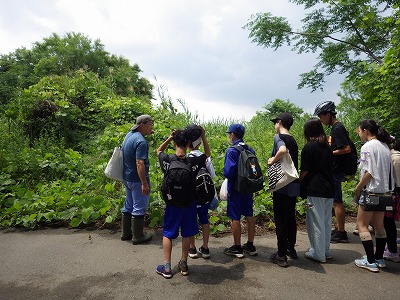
[(197, 49)]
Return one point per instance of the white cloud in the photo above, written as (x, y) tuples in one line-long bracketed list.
[(197, 48)]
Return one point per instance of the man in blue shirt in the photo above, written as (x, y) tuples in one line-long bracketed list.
[(136, 180), (238, 204)]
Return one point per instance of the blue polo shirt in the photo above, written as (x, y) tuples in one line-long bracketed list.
[(135, 147)]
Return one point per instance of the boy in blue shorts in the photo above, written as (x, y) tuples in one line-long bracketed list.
[(238, 204), (198, 135), (175, 218)]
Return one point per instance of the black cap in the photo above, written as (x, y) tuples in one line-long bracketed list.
[(284, 117)]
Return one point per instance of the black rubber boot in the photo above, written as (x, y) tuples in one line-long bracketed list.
[(126, 227), (139, 237)]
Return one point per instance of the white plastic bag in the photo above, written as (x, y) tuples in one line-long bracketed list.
[(223, 192), (115, 165)]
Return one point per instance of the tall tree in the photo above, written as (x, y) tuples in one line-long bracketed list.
[(346, 33), (277, 106), (57, 55), (376, 94)]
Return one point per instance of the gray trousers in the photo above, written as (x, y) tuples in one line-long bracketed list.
[(319, 223)]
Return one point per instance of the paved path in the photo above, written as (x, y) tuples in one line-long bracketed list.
[(81, 264)]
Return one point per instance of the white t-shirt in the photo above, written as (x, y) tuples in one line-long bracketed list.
[(375, 159)]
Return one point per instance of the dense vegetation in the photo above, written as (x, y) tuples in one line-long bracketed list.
[(66, 103)]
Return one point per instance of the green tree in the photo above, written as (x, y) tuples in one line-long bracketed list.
[(347, 34), (72, 109), (278, 106), (57, 55), (375, 94)]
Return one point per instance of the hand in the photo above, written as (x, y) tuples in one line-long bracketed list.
[(145, 188), (171, 136), (270, 161)]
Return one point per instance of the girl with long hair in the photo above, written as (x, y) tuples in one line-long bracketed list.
[(316, 180)]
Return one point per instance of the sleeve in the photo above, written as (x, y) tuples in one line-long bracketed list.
[(368, 162), (230, 164), (141, 150), (340, 137), (278, 142), (164, 161), (305, 162), (210, 168)]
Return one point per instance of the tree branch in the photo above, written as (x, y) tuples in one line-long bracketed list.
[(365, 50)]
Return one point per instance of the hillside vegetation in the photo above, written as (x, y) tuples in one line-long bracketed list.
[(66, 103)]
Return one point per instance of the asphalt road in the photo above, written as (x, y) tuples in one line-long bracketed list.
[(82, 264)]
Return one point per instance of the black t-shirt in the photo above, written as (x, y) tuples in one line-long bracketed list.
[(291, 145), (339, 139), (317, 160)]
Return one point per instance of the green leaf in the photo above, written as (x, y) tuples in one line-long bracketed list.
[(75, 222), (110, 219)]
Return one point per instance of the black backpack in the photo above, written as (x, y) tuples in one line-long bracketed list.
[(176, 186), (204, 186), (250, 178), (351, 159)]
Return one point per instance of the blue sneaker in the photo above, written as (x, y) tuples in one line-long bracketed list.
[(363, 263), (161, 270), (379, 262)]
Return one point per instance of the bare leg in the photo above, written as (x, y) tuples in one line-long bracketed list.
[(185, 248), (340, 215), (236, 231), (251, 228), (192, 243), (205, 228), (167, 248)]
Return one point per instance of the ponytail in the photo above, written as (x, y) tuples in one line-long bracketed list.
[(383, 135), (376, 129)]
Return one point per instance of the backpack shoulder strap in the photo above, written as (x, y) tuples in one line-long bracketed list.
[(238, 147)]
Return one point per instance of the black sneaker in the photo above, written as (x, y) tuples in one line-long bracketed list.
[(183, 268), (192, 253), (251, 250), (292, 253), (236, 251), (203, 252), (339, 237), (280, 261)]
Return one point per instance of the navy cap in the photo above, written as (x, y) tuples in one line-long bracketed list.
[(237, 129)]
